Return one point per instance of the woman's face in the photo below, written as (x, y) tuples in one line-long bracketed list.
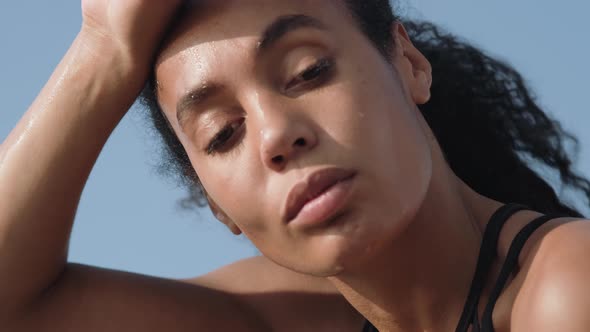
[(276, 100)]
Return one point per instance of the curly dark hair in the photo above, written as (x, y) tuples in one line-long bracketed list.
[(483, 115)]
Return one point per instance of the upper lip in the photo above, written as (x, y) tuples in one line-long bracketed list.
[(311, 187)]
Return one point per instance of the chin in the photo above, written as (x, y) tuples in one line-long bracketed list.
[(336, 253), (326, 257), (354, 245)]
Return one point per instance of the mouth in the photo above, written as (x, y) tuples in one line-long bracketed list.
[(318, 197)]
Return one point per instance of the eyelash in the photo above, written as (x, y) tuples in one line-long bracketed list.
[(315, 74), (223, 137), (320, 70)]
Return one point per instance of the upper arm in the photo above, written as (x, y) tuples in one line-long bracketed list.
[(286, 300), (92, 299), (555, 295)]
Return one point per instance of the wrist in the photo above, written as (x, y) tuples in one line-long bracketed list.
[(97, 77), (104, 52)]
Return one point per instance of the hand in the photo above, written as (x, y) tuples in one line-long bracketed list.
[(133, 27)]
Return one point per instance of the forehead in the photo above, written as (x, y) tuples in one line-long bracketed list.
[(208, 21), (214, 42)]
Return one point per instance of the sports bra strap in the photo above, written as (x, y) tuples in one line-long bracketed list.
[(369, 327), (487, 253), (510, 264)]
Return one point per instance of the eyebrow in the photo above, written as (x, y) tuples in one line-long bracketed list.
[(284, 25), (278, 29)]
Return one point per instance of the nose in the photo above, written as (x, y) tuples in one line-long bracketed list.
[(285, 136)]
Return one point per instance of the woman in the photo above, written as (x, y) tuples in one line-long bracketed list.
[(305, 112)]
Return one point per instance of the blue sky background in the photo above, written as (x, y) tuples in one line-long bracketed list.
[(128, 217)]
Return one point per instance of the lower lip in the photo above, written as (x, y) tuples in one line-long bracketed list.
[(325, 206)]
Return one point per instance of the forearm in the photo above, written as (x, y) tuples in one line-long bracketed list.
[(46, 159)]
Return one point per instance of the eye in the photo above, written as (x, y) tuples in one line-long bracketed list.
[(222, 141), (316, 74)]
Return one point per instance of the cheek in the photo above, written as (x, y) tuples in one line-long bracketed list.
[(370, 114), (401, 153), (234, 183), (381, 129), (225, 184)]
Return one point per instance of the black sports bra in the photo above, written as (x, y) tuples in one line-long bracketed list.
[(487, 253)]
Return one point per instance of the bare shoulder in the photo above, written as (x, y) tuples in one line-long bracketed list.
[(555, 292), (285, 299)]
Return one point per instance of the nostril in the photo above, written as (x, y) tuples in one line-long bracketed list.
[(300, 142), (278, 159)]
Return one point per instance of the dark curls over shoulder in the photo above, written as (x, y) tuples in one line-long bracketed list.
[(485, 119)]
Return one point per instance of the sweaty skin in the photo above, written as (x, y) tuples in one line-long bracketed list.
[(359, 115), (335, 114), (259, 118)]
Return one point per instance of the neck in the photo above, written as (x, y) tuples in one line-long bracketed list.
[(420, 281)]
